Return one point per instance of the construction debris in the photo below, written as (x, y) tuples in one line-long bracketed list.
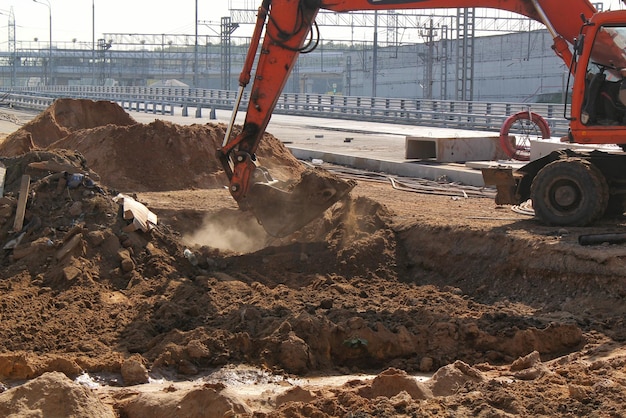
[(139, 215)]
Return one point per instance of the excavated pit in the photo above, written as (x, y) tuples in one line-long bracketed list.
[(385, 282)]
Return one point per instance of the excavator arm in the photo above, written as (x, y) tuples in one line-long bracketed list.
[(280, 207), (289, 29), (288, 25)]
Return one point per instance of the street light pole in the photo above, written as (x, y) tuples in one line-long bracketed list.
[(47, 4), (93, 42), (195, 52)]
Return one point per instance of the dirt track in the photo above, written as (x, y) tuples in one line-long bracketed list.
[(514, 318)]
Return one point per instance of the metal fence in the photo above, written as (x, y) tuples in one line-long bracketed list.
[(483, 116)]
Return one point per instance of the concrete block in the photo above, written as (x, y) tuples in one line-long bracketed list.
[(541, 148), (456, 149)]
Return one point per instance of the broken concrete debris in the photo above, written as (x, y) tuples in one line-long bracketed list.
[(142, 218), (73, 195)]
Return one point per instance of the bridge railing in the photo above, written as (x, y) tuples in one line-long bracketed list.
[(474, 115)]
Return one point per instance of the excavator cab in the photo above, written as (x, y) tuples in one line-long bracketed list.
[(598, 114)]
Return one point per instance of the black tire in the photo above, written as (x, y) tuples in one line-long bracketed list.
[(570, 192)]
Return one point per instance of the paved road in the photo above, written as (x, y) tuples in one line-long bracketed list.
[(11, 119), (367, 145)]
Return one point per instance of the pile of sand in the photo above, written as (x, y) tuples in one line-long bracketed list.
[(133, 157)]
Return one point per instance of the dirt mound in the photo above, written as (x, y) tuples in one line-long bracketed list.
[(77, 250), (59, 120), (133, 157), (53, 395), (139, 157), (163, 156)]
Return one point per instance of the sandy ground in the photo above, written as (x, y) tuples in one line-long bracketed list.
[(416, 304)]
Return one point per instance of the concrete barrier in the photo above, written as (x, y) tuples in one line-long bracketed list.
[(453, 149)]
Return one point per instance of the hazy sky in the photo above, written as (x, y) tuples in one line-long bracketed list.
[(73, 19)]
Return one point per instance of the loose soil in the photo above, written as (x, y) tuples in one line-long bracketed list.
[(511, 318)]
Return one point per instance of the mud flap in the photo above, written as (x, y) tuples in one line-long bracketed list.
[(505, 182), (283, 209)]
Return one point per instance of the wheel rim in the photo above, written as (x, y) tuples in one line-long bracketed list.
[(565, 195)]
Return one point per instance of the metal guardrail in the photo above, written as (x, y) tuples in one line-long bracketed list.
[(483, 116)]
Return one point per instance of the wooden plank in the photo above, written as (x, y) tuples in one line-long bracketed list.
[(21, 203), (60, 168), (55, 167), (3, 172), (69, 246)]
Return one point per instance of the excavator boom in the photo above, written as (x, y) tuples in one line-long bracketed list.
[(289, 29), (563, 16)]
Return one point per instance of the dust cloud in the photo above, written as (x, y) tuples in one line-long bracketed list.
[(243, 235)]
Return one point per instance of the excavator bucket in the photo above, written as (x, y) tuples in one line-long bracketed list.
[(283, 208)]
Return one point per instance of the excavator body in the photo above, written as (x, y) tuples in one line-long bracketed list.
[(576, 186), (588, 42)]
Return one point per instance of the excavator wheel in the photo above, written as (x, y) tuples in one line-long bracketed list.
[(569, 192)]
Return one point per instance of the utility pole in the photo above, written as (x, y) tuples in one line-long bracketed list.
[(227, 30), (195, 50), (11, 43), (93, 42), (48, 74), (444, 62), (375, 54), (465, 54), (429, 34)]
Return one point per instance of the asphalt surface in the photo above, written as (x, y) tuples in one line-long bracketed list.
[(373, 146), (379, 147)]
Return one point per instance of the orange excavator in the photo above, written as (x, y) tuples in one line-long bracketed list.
[(568, 187)]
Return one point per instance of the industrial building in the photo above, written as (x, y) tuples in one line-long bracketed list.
[(464, 56)]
